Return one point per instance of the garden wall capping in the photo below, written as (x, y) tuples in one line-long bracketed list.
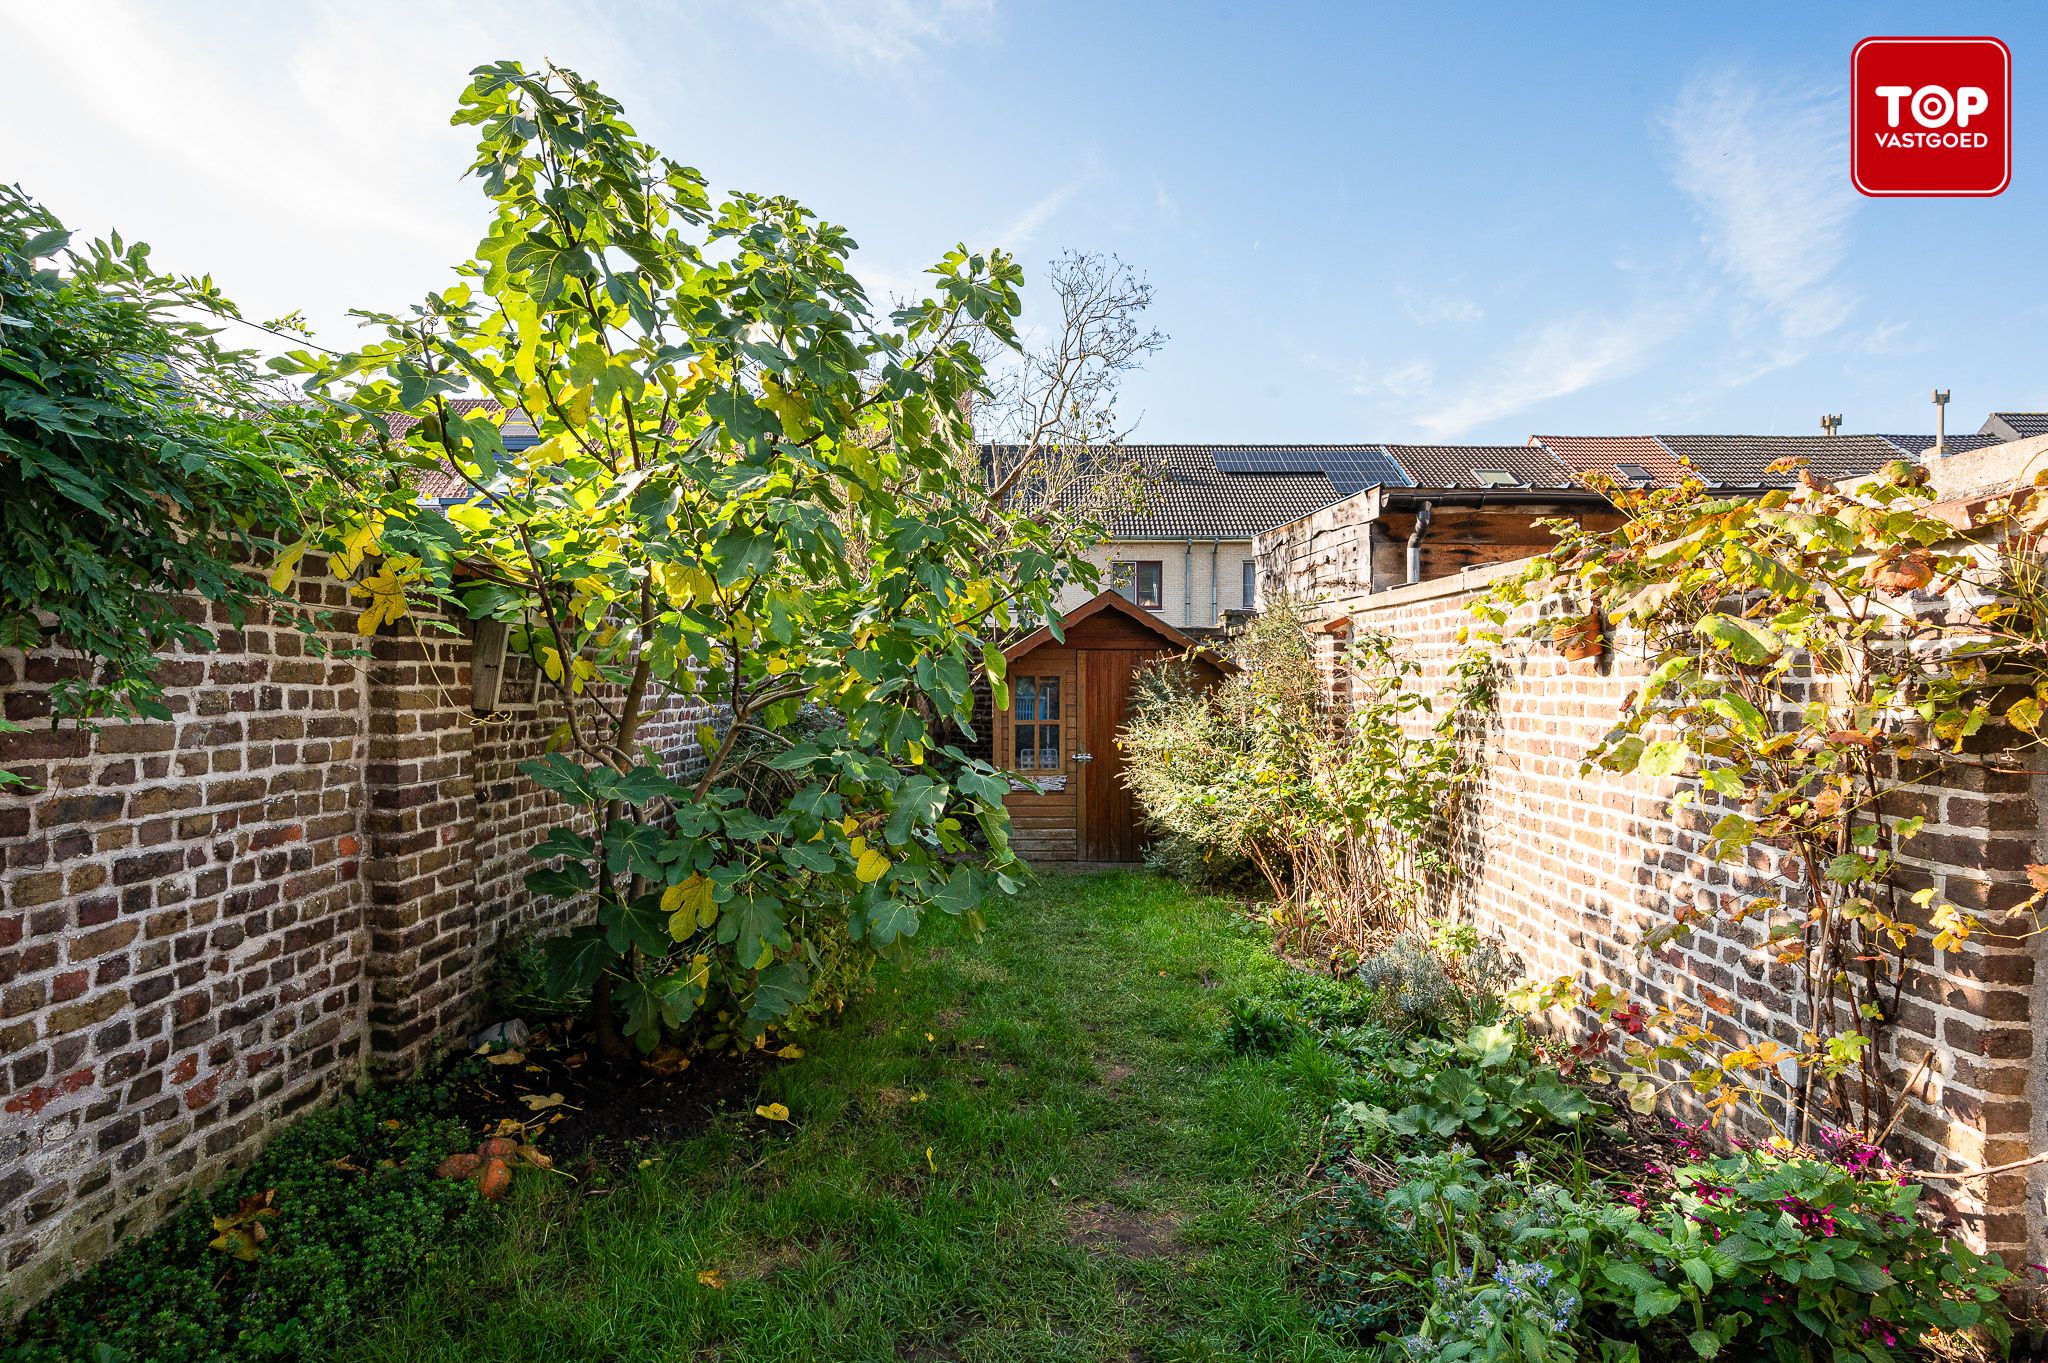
[(210, 924)]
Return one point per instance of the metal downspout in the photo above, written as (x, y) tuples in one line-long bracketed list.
[(1215, 588), (1422, 519), (1187, 583)]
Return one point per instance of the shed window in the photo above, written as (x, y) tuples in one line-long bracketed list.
[(1035, 708), (1150, 578)]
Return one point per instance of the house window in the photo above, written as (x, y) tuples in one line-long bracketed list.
[(1251, 584), (1035, 711), (1150, 579)]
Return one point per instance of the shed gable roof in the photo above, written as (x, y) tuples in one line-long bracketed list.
[(1116, 603)]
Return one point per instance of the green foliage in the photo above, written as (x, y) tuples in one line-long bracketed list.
[(1486, 1087), (138, 457), (1343, 811), (745, 491), (358, 1214), (1790, 668), (1256, 1027), (1812, 1261), (517, 985), (1431, 1234)]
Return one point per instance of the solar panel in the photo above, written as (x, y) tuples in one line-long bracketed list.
[(1268, 461), (1348, 469)]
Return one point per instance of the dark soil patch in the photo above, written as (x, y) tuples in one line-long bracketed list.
[(607, 1111), (1134, 1234)]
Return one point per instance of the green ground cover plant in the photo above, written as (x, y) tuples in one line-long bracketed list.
[(283, 1259)]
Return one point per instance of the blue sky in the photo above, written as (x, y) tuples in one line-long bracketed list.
[(1413, 223)]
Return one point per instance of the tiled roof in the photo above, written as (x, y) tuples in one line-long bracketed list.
[(2016, 425), (1607, 453), (1955, 444), (1745, 460), (1459, 465), (1186, 497), (444, 484)]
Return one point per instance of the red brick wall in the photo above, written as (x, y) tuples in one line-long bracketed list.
[(1574, 869), (210, 923)]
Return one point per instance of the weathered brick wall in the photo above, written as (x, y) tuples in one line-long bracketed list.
[(209, 923), (1574, 869)]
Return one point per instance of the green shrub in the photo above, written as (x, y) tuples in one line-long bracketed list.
[(1813, 1261), (1340, 809), (1200, 866), (354, 1210)]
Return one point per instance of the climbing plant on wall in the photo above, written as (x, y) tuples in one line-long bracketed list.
[(138, 453), (720, 417), (1813, 653)]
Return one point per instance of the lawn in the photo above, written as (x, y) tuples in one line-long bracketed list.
[(1029, 1147)]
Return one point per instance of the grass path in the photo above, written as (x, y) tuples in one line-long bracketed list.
[(1105, 1181)]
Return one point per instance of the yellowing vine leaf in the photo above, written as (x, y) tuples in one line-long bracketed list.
[(386, 590), (357, 543), (774, 1112), (690, 906), (287, 564), (873, 866)]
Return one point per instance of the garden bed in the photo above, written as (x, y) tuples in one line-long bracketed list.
[(1475, 1203)]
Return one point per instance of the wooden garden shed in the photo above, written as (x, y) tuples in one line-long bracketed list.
[(1068, 700)]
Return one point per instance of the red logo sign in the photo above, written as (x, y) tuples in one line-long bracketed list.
[(1930, 116)]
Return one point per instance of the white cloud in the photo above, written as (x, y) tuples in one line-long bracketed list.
[(1433, 310), (1767, 171), (157, 87), (879, 33), (303, 154), (1169, 207), (1552, 361), (1019, 231), (1892, 338), (1401, 380)]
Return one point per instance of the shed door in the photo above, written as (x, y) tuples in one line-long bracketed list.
[(1109, 813), (1037, 738)]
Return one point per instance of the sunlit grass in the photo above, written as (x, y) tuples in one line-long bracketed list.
[(1032, 1147)]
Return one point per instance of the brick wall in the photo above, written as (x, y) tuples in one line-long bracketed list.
[(1574, 869), (210, 923)]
